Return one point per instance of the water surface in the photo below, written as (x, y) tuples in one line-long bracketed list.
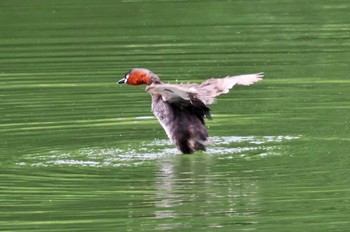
[(80, 153)]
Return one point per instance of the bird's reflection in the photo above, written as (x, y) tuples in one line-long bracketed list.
[(192, 186)]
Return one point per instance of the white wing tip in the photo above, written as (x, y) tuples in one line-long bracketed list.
[(249, 79)]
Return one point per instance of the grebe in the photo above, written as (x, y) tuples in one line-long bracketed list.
[(181, 108)]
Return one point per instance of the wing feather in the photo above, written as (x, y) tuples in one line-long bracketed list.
[(205, 92), (214, 87), (173, 93)]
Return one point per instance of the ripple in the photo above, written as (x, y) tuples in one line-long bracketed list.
[(226, 147)]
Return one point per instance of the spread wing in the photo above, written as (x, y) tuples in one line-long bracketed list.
[(205, 92), (208, 90)]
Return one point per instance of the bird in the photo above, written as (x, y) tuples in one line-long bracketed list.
[(182, 108)]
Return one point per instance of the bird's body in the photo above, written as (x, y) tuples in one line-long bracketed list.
[(181, 109)]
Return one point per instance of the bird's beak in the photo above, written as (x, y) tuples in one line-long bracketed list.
[(122, 81)]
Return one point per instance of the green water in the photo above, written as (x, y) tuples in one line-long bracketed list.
[(80, 153)]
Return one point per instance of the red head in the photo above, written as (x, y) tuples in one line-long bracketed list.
[(139, 76)]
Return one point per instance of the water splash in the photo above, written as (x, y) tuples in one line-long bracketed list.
[(226, 147)]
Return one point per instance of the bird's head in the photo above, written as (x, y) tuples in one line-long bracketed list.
[(139, 76)]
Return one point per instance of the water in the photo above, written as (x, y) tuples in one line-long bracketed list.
[(80, 153)]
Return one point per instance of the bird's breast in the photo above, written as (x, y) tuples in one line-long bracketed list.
[(164, 112)]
